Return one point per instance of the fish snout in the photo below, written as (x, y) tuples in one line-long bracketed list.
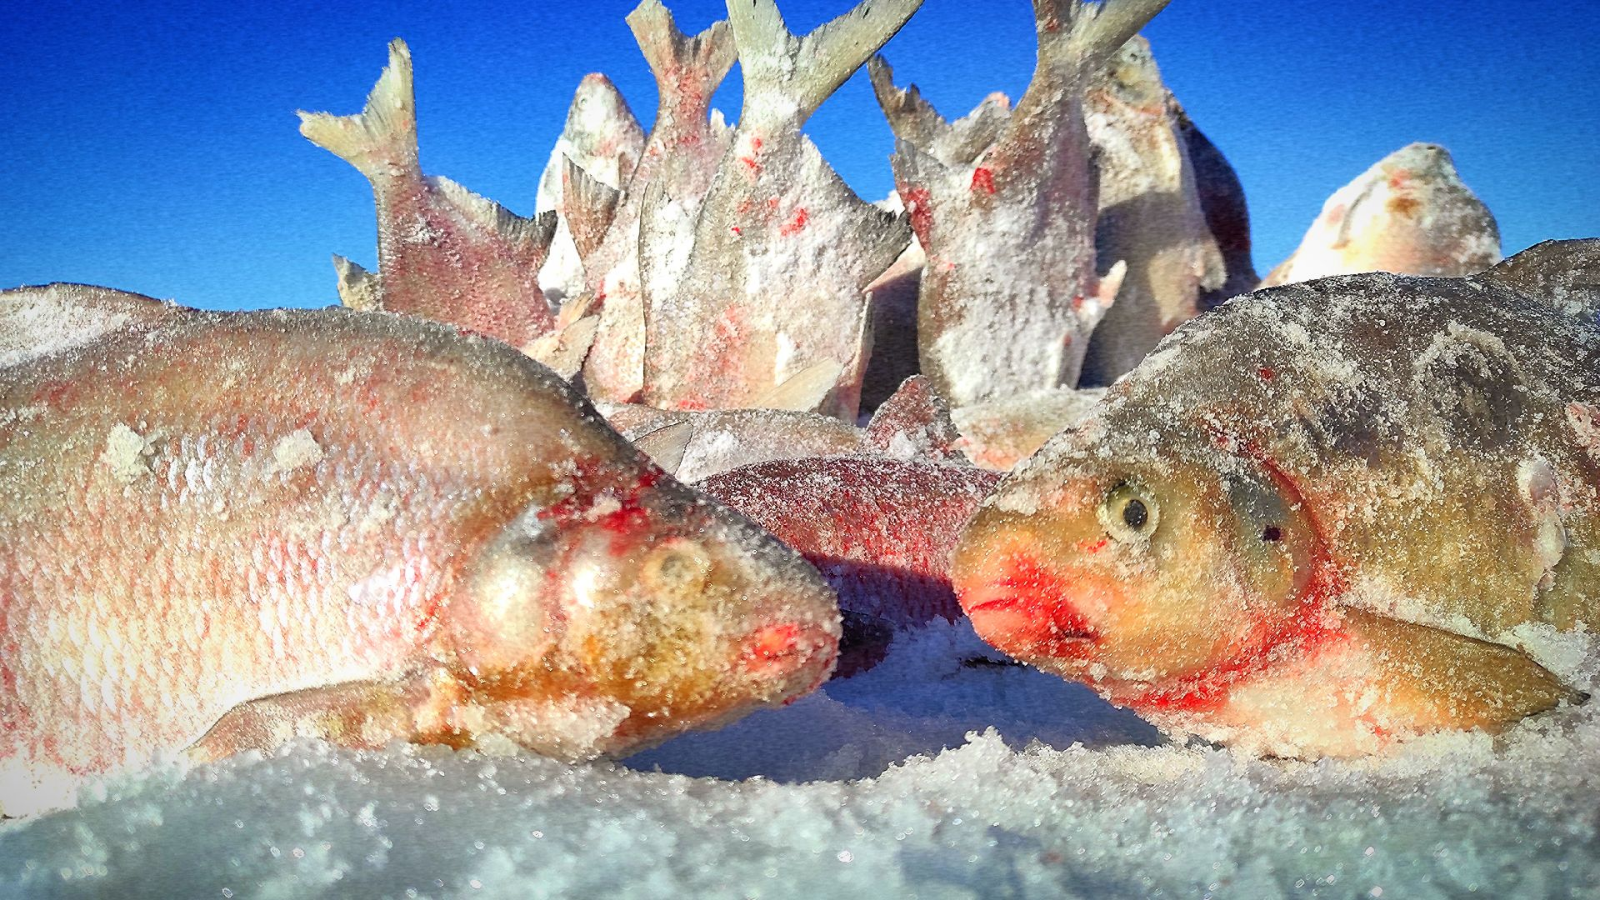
[(800, 655), (1021, 604)]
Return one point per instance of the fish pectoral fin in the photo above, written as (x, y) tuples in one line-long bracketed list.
[(666, 445), (1434, 678), (356, 714)]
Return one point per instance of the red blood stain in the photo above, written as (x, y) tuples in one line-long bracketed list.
[(795, 224), (1026, 612), (1077, 302), (983, 180), (919, 207), (1267, 373), (736, 230), (1088, 546)]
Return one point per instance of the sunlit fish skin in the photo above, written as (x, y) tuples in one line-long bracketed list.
[(444, 253), (218, 531), (879, 530), (601, 137), (655, 215), (1150, 215), (1308, 524), (1010, 293), (782, 249), (1409, 214)]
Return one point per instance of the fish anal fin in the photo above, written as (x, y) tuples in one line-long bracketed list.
[(667, 444), (530, 237), (355, 714), (358, 288), (590, 204), (805, 390)]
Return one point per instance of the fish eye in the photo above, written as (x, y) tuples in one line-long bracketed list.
[(1129, 512), (677, 567)]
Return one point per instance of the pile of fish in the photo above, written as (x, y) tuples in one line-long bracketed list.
[(1310, 520)]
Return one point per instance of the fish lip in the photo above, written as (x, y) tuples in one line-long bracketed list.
[(1005, 603)]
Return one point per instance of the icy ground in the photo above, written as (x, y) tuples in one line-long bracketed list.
[(938, 774)]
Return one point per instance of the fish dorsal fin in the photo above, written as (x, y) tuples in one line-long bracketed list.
[(807, 70), (915, 422), (381, 140), (36, 322), (358, 288), (803, 391), (531, 236), (666, 445), (914, 119), (590, 206), (1565, 274)]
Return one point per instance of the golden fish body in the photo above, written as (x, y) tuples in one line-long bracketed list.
[(1312, 520), (221, 530)]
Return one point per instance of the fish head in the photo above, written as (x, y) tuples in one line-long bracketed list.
[(637, 592), (1137, 567)]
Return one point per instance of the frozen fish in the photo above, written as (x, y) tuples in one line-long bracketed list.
[(603, 139), (225, 530), (1227, 214), (1010, 292), (1320, 518), (644, 245), (1150, 214), (444, 253), (1001, 433), (879, 530), (693, 445), (783, 250), (1409, 214)]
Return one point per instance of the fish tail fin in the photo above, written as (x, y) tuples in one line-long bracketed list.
[(1082, 35), (809, 69), (687, 69), (382, 138), (912, 118), (358, 288)]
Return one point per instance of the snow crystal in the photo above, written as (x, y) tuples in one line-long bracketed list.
[(942, 772)]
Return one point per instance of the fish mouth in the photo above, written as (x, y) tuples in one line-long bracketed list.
[(787, 652), (1026, 627)]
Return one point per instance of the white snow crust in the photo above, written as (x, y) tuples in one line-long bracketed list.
[(942, 772)]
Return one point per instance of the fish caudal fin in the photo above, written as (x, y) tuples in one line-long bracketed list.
[(914, 119), (687, 69), (358, 288), (1083, 36), (382, 139), (809, 69)]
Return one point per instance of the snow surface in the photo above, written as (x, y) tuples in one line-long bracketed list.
[(941, 773)]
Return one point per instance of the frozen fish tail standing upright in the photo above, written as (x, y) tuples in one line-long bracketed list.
[(656, 212), (444, 253), (1320, 517), (1009, 294), (783, 249), (218, 531), (1409, 214)]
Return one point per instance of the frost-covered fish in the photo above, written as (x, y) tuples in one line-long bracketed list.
[(693, 445), (444, 253), (224, 530), (1150, 214), (656, 211), (782, 250), (1409, 214), (1010, 293), (1227, 214), (1319, 518), (602, 138), (879, 530)]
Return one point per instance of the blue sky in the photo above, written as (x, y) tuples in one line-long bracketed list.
[(153, 147)]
